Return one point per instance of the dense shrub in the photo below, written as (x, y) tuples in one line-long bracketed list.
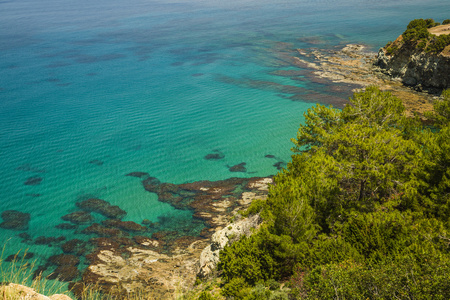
[(361, 212), (438, 43), (246, 260), (205, 296), (417, 30)]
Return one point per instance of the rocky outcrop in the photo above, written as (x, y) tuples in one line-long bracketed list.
[(21, 292), (416, 67), (209, 257)]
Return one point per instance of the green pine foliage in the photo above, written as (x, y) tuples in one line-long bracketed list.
[(361, 212), (417, 34)]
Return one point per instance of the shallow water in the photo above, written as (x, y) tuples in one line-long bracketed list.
[(93, 90)]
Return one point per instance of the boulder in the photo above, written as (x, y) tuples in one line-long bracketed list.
[(28, 293)]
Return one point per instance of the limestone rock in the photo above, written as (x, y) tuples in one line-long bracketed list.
[(21, 292), (209, 257)]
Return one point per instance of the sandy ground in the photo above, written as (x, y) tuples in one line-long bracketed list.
[(441, 29)]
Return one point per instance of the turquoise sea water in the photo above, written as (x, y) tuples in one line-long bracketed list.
[(93, 90)]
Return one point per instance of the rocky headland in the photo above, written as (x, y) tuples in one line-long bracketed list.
[(414, 65)]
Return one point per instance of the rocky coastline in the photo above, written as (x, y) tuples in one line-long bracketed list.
[(355, 67), (167, 263), (122, 257)]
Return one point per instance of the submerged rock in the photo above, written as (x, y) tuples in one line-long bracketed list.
[(215, 156), (33, 180), (25, 237), (64, 273), (43, 240), (124, 225), (138, 174), (238, 168), (78, 217), (66, 226), (15, 220), (64, 259), (279, 165), (19, 256), (102, 207), (101, 231), (96, 162), (75, 246)]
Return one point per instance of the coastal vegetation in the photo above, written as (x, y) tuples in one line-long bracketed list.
[(417, 35), (361, 212)]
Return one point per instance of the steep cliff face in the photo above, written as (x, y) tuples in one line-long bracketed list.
[(416, 67)]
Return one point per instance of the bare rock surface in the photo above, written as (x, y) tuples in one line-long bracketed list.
[(209, 258), (21, 292), (415, 67)]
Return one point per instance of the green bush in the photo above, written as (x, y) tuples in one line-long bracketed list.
[(205, 296), (447, 21), (255, 207), (237, 288), (438, 43), (246, 260)]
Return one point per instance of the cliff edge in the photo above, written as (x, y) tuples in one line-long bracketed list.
[(420, 57)]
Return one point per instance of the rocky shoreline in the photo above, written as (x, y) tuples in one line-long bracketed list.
[(355, 67), (165, 264), (123, 257)]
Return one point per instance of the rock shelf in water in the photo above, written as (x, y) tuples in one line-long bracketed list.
[(166, 260)]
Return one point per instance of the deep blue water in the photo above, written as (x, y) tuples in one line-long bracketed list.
[(93, 90)]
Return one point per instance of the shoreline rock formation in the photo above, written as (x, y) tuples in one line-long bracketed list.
[(416, 67), (167, 263), (354, 67)]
